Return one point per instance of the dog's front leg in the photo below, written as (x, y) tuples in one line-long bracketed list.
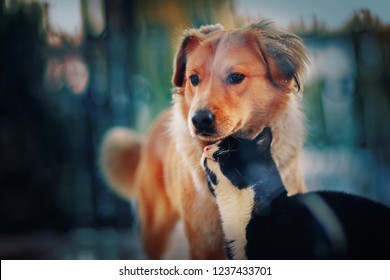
[(202, 223)]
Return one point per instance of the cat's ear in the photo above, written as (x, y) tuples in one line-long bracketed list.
[(264, 140)]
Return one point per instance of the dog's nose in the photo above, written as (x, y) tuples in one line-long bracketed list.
[(203, 121)]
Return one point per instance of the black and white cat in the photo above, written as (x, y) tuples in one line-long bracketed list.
[(260, 221)]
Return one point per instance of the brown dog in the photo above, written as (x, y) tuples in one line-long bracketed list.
[(228, 82)]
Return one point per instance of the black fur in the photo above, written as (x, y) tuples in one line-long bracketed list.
[(248, 162), (229, 251), (210, 174), (315, 225), (211, 178), (293, 229)]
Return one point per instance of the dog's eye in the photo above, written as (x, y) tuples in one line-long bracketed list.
[(194, 79), (235, 78)]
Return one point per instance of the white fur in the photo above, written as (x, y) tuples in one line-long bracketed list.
[(288, 137), (181, 135), (288, 132), (235, 207)]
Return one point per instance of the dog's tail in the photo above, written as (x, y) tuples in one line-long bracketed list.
[(119, 156)]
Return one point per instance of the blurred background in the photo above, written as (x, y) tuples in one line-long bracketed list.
[(71, 69)]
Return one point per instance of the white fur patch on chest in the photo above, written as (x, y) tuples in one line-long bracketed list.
[(235, 207), (189, 155)]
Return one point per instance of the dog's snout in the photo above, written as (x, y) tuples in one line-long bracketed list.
[(203, 121)]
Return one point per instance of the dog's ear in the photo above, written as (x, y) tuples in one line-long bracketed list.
[(283, 53), (190, 41), (191, 38)]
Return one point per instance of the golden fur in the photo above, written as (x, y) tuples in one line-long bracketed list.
[(167, 181)]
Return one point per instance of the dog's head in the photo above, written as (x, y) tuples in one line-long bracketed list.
[(236, 81)]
